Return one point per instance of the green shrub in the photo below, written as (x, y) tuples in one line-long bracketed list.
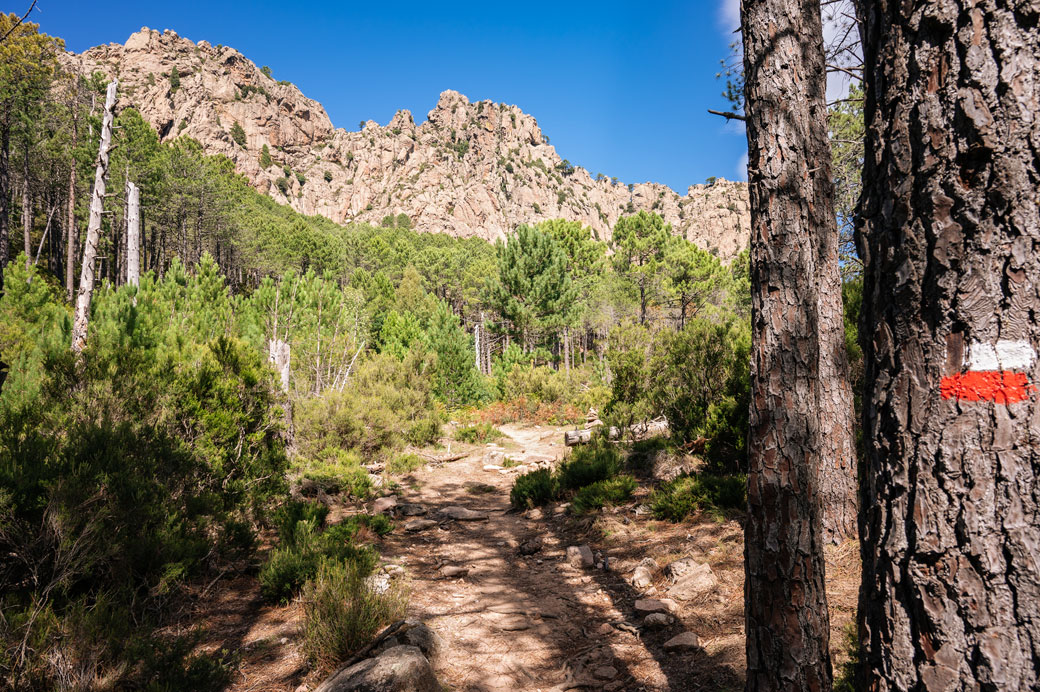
[(175, 79), (533, 489), (301, 178), (478, 433), (265, 158), (612, 491), (342, 613), (336, 470), (328, 176), (589, 464), (291, 565), (238, 135), (287, 518), (405, 463), (714, 494), (282, 184)]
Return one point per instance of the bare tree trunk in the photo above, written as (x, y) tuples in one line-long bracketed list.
[(97, 200), (70, 221), (787, 623), (5, 195), (133, 234), (948, 228), (26, 211)]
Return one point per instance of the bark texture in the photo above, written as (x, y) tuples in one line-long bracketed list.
[(949, 231), (90, 243), (70, 223), (5, 195), (787, 623), (133, 234)]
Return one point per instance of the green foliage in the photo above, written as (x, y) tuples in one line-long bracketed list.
[(128, 465), (238, 135), (675, 500), (403, 221), (301, 178), (589, 464), (266, 71), (298, 559), (607, 492), (265, 159), (404, 463), (456, 381), (388, 403), (333, 471), (478, 433), (533, 489), (846, 671), (342, 612), (327, 176), (639, 244), (175, 79), (533, 291)]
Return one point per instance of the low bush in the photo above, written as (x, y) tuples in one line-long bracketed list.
[(342, 612), (589, 464), (706, 492), (533, 489), (477, 433), (612, 491), (405, 463), (290, 566), (336, 471), (388, 404)]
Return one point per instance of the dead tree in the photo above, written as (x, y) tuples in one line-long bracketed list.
[(949, 232), (97, 201), (786, 617), (133, 234)]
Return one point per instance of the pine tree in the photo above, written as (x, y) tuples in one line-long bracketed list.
[(949, 229), (639, 243)]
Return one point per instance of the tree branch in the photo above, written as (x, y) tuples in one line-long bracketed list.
[(728, 115), (18, 23)]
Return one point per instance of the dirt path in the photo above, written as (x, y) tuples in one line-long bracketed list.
[(528, 622)]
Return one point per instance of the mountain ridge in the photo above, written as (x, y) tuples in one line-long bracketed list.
[(471, 169)]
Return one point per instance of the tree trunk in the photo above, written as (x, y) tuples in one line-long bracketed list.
[(133, 234), (70, 221), (26, 212), (5, 196), (97, 200), (949, 229), (787, 623)]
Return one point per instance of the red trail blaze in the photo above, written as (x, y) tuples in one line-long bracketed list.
[(999, 386)]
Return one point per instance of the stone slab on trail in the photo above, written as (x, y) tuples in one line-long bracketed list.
[(462, 514), (398, 669)]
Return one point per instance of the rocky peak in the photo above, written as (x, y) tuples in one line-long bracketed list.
[(471, 169)]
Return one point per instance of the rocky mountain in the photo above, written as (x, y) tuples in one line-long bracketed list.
[(472, 169)]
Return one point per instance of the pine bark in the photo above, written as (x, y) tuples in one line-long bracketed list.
[(949, 230), (90, 243), (787, 623)]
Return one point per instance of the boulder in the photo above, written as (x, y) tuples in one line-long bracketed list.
[(580, 556), (687, 641), (419, 524), (654, 605), (462, 514), (656, 621), (384, 504), (453, 571), (410, 510), (691, 580), (643, 575), (425, 639), (398, 669)]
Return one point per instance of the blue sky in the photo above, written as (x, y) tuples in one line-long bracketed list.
[(620, 87)]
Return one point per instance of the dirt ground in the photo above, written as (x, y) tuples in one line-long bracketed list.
[(531, 622)]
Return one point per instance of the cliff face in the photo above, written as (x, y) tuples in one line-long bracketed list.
[(472, 169)]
